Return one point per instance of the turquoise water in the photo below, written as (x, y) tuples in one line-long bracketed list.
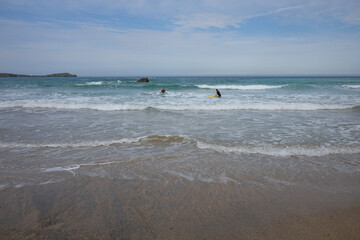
[(52, 128), (183, 93)]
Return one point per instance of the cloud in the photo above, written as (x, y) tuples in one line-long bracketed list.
[(284, 9), (200, 37), (96, 49), (352, 18), (206, 21), (222, 21), (203, 14), (319, 11), (348, 14)]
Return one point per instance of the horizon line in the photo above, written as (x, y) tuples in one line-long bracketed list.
[(224, 75)]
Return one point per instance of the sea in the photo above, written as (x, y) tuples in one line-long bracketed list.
[(278, 131)]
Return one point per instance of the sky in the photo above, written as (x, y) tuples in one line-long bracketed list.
[(173, 37)]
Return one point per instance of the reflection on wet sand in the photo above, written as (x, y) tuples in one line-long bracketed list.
[(174, 208)]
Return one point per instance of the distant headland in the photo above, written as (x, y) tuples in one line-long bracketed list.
[(50, 75)]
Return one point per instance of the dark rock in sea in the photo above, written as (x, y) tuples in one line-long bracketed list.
[(143, 80)]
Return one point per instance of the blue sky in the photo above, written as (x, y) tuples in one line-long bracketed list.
[(166, 37)]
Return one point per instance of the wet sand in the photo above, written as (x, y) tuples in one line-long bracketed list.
[(174, 208)]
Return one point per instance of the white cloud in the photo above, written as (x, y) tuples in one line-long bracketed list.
[(97, 47), (221, 21), (199, 13), (352, 18), (206, 21), (93, 49)]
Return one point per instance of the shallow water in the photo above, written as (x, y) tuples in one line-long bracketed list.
[(277, 131)]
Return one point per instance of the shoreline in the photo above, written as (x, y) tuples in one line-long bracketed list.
[(173, 208)]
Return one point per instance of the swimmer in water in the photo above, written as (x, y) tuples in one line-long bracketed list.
[(218, 93)]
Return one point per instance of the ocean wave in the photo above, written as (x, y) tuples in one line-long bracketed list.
[(240, 87), (153, 139), (61, 169), (91, 83), (69, 144), (351, 86), (72, 106), (258, 106), (278, 151), (210, 106), (163, 140), (72, 167)]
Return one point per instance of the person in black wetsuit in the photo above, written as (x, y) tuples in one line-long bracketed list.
[(163, 90), (218, 93)]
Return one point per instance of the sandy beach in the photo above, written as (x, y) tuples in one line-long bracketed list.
[(179, 120), (173, 208)]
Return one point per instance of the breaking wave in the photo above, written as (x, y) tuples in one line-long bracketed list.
[(210, 106), (158, 140), (240, 87), (73, 167), (351, 86), (154, 139), (91, 83), (281, 151)]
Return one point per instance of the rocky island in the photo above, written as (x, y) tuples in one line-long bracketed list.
[(50, 75), (143, 80)]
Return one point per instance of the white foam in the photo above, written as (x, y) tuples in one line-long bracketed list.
[(351, 86), (50, 181), (70, 144), (278, 181), (19, 185), (59, 169), (91, 84), (84, 144), (225, 179), (275, 106), (240, 87), (72, 106), (207, 106), (73, 167), (181, 175), (281, 151)]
